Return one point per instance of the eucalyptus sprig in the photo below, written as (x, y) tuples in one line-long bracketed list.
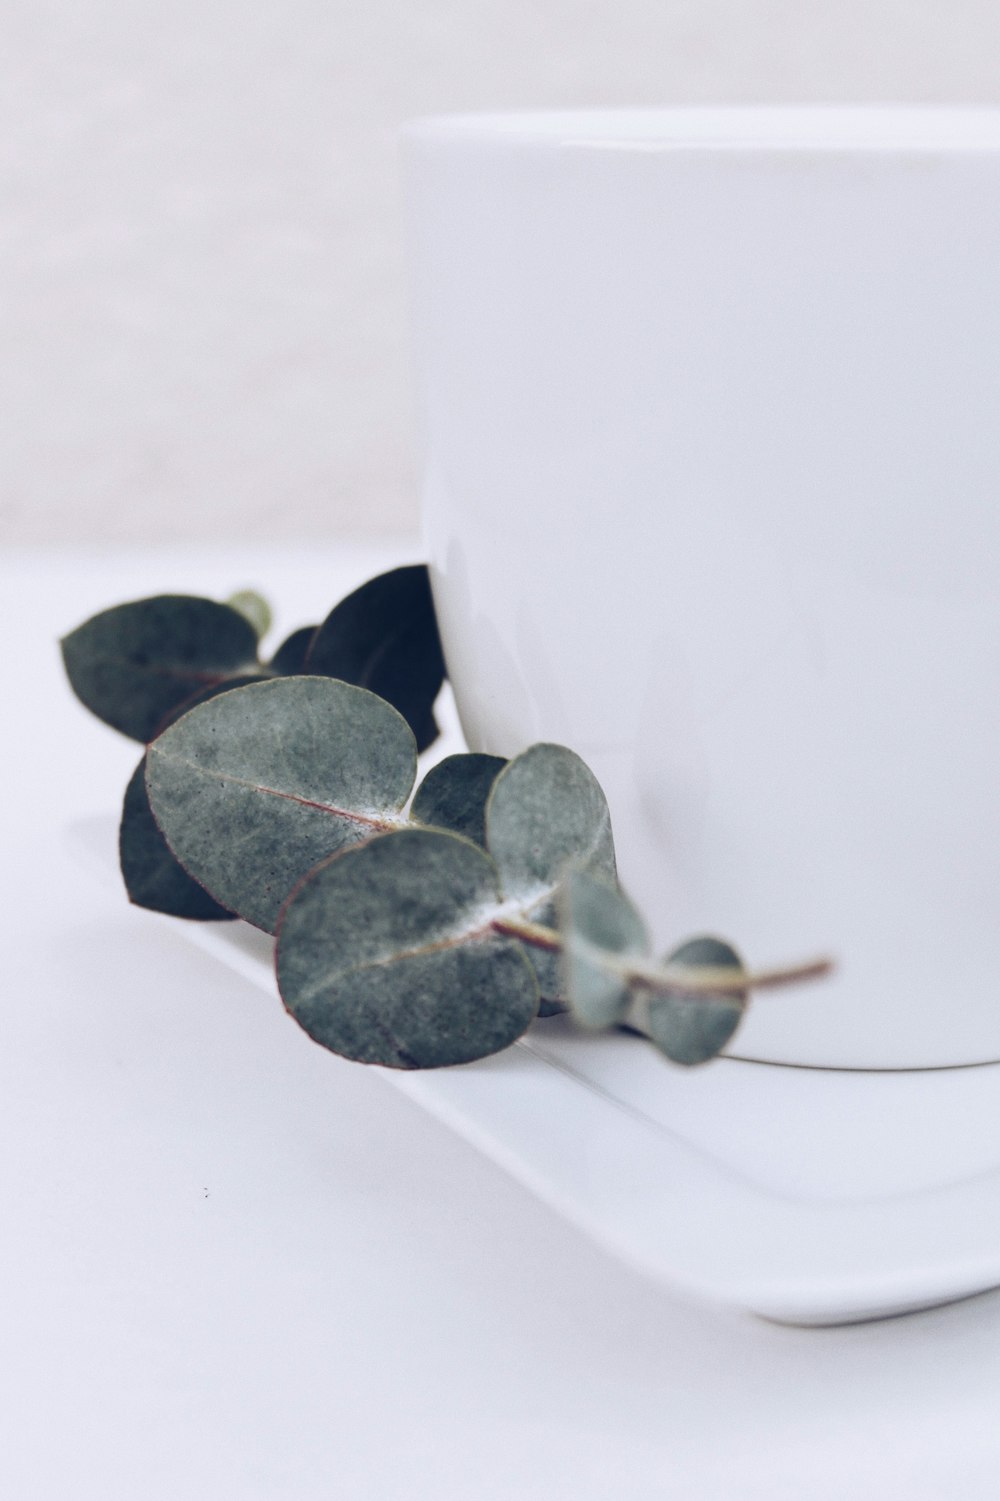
[(689, 1005), (415, 928), (138, 665)]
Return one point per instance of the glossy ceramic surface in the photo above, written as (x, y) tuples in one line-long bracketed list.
[(807, 1196), (710, 477), (810, 1196)]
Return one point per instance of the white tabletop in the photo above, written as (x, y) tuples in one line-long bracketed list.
[(235, 1267)]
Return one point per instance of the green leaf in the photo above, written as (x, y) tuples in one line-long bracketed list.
[(597, 921), (136, 663), (547, 812), (384, 637), (254, 608), (290, 658), (224, 685), (153, 877), (385, 954), (257, 786), (453, 794), (691, 1029)]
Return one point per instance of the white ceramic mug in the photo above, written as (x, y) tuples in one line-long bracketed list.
[(710, 406)]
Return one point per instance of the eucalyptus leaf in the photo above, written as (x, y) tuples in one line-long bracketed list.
[(255, 787), (692, 1029), (597, 922), (224, 685), (254, 607), (136, 663), (153, 877), (385, 954), (290, 658), (384, 637), (453, 794), (547, 812)]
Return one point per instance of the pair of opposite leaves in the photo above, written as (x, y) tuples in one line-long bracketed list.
[(398, 933), (270, 797), (139, 665)]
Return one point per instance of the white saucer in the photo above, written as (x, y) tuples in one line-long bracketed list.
[(808, 1196)]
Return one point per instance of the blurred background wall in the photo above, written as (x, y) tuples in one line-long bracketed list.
[(201, 287)]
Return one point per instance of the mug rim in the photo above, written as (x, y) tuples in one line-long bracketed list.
[(755, 128)]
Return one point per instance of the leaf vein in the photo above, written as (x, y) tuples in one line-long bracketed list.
[(372, 820)]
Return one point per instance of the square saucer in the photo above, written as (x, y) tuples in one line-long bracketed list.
[(805, 1195)]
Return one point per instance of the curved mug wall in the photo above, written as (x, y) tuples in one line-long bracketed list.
[(711, 486)]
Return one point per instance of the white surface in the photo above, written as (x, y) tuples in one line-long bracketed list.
[(201, 319), (843, 1196), (710, 489), (361, 1305)]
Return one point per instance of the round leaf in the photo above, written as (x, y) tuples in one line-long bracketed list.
[(384, 637), (153, 877), (597, 920), (257, 786), (224, 685), (385, 954), (290, 658), (453, 794), (547, 812), (254, 607), (692, 1029), (134, 664)]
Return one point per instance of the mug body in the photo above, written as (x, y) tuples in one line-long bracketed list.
[(709, 405)]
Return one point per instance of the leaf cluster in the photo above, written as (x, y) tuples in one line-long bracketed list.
[(417, 924), (137, 666)]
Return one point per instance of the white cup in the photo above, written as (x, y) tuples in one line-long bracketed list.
[(710, 408)]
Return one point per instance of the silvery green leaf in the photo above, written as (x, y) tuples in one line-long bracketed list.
[(257, 786), (547, 812), (152, 876), (290, 658), (691, 1029), (134, 664), (597, 922), (254, 608), (385, 954), (224, 685), (384, 637), (453, 794)]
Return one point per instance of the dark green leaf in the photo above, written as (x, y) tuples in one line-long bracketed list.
[(692, 1029), (257, 786), (384, 637), (546, 813), (134, 664), (290, 658), (152, 876), (453, 794), (597, 920), (385, 954)]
